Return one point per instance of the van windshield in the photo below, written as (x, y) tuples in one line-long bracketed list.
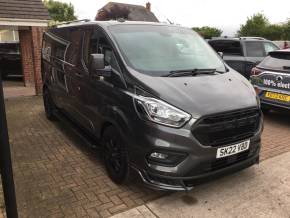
[(158, 50)]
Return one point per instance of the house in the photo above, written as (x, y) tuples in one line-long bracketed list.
[(114, 11), (28, 18)]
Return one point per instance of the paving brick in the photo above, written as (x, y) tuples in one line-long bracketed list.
[(118, 208), (57, 176), (105, 213), (103, 198), (116, 200)]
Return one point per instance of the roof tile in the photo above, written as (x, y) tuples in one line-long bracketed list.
[(23, 9)]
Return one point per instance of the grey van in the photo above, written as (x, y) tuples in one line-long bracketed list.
[(158, 98)]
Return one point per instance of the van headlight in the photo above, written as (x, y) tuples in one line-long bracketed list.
[(160, 112)]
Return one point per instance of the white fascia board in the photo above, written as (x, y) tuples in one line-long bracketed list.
[(23, 22)]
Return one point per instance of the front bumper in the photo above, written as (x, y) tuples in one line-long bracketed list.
[(163, 182), (200, 164)]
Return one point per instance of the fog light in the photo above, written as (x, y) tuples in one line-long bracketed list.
[(159, 155), (165, 158)]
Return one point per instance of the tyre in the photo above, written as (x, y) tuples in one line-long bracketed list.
[(115, 155), (49, 105)]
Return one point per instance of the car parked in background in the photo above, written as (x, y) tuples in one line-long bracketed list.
[(10, 62), (242, 54), (271, 79)]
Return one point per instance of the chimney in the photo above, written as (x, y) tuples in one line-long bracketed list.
[(148, 6)]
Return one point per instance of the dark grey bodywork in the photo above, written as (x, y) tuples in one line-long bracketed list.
[(243, 63), (228, 100)]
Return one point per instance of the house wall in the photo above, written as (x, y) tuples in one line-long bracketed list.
[(37, 45), (30, 48), (25, 38)]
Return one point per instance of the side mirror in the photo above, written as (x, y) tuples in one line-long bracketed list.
[(97, 62), (97, 66), (221, 54)]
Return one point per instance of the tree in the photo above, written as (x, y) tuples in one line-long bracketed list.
[(274, 32), (259, 25), (208, 32), (286, 31), (255, 26), (60, 11)]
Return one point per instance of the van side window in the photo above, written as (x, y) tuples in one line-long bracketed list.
[(73, 54), (97, 43), (105, 48), (90, 45), (58, 52)]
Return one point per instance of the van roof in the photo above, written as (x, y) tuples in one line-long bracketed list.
[(249, 38), (110, 23)]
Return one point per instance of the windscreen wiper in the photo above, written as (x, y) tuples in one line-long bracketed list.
[(286, 67), (192, 72)]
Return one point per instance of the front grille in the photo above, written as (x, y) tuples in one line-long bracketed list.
[(222, 129)]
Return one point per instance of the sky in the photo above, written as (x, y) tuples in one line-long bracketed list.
[(227, 15)]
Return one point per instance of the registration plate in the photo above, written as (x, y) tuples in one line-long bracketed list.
[(277, 96), (232, 149)]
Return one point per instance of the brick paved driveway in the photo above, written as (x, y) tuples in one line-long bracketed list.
[(56, 175)]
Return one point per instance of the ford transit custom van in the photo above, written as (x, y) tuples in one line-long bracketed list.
[(158, 98)]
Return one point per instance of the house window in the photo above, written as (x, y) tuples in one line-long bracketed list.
[(8, 35)]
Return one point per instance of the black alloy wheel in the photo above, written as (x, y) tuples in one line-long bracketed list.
[(115, 155)]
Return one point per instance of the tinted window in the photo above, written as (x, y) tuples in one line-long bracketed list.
[(90, 45), (228, 47), (97, 43), (157, 50), (57, 53), (255, 49), (104, 47), (75, 46), (279, 61)]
